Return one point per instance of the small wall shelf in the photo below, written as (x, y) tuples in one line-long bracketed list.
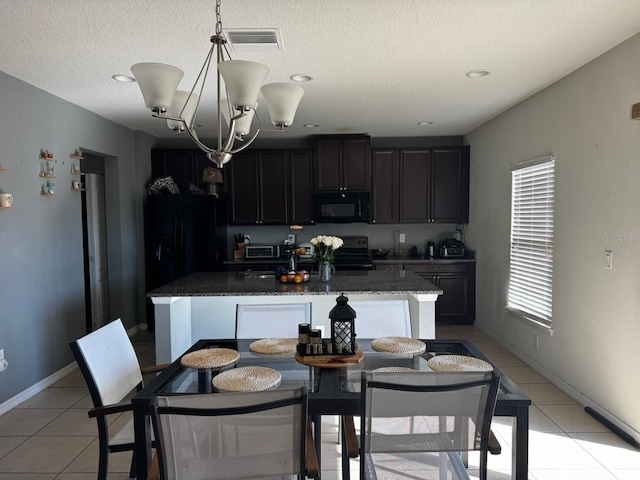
[(4, 169), (78, 189), (77, 157), (42, 175), (76, 173), (5, 208), (47, 159), (47, 194)]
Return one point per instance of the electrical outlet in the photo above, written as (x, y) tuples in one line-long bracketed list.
[(608, 259), (247, 239), (402, 238), (291, 238)]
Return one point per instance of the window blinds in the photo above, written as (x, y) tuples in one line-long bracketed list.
[(531, 264)]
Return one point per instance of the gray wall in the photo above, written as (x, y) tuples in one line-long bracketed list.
[(585, 120), (41, 255)]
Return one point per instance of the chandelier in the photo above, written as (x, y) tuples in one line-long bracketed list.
[(243, 82)]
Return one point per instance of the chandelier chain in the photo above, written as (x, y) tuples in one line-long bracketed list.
[(218, 19)]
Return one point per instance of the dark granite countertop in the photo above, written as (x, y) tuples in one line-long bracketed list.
[(207, 284), (267, 261)]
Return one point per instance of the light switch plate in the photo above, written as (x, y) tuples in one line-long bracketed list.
[(608, 259)]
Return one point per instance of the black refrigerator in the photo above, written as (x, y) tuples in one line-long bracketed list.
[(185, 234)]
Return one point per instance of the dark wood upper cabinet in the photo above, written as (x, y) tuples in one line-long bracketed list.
[(271, 187), (180, 165), (242, 177), (450, 198), (415, 181), (343, 163), (385, 186), (301, 187), (185, 166), (434, 185)]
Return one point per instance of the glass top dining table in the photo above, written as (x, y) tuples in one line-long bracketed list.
[(332, 391)]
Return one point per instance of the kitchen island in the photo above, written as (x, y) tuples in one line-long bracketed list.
[(203, 305)]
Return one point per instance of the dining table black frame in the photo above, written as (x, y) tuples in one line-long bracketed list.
[(332, 391)]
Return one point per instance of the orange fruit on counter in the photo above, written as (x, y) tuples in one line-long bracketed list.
[(283, 278), (297, 279)]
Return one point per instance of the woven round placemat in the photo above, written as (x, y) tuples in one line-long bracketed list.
[(458, 363), (210, 358), (247, 379), (399, 345), (395, 369), (274, 346)]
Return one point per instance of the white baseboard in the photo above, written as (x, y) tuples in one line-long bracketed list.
[(36, 388), (578, 396)]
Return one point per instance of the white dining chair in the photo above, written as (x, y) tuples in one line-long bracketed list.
[(408, 417), (375, 319), (237, 435), (271, 320), (382, 318), (110, 367)]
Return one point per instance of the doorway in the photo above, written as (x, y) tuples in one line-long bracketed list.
[(94, 231)]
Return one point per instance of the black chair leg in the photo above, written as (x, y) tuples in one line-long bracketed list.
[(132, 470), (483, 465), (103, 441), (103, 465)]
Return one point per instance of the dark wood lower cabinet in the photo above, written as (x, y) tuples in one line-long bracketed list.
[(457, 305)]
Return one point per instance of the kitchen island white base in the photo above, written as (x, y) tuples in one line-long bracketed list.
[(203, 305), (180, 321)]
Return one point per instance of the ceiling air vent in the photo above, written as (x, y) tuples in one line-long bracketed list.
[(254, 39)]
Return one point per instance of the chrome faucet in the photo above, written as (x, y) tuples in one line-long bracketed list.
[(293, 260)]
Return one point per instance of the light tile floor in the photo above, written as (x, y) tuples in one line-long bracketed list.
[(50, 436)]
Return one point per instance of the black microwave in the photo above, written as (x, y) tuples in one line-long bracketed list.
[(343, 207)]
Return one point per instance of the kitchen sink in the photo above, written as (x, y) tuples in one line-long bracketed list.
[(265, 274)]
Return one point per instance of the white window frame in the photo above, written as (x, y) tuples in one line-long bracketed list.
[(530, 289)]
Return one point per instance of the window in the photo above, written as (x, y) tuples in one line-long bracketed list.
[(531, 265)]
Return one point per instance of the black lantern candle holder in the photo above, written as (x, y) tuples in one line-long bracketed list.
[(343, 333), (343, 328)]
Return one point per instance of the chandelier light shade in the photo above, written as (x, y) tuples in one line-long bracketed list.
[(158, 83), (241, 80), (282, 101), (182, 100), (243, 124)]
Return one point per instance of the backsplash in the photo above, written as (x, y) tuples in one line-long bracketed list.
[(380, 236)]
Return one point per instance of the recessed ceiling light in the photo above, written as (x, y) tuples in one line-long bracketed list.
[(123, 78), (425, 123), (478, 73), (300, 77), (310, 125)]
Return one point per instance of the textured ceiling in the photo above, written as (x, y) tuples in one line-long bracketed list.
[(379, 67)]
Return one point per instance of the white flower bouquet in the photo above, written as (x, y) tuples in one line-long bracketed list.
[(324, 246)]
